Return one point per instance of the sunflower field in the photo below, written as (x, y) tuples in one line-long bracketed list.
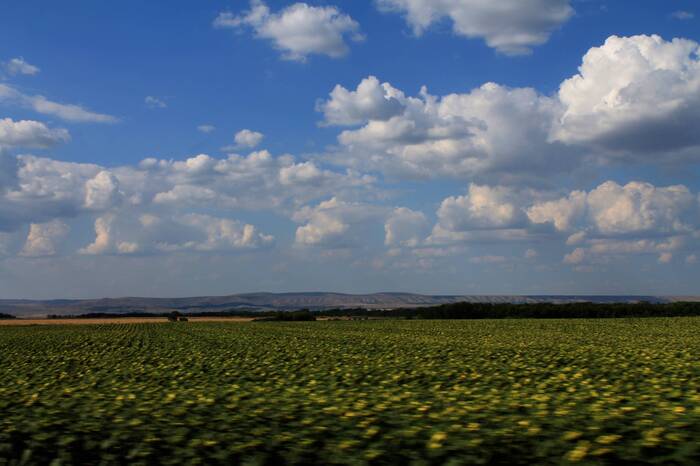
[(615, 391)]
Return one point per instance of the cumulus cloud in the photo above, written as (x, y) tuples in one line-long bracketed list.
[(28, 133), (610, 220), (612, 209), (37, 189), (19, 65), (248, 139), (510, 26), (634, 99), (334, 223), (42, 238), (173, 233), (636, 95), (492, 129), (103, 237), (224, 233), (255, 181), (613, 219), (405, 228), (371, 101), (484, 214), (298, 30), (44, 106), (102, 191), (483, 207), (155, 102)]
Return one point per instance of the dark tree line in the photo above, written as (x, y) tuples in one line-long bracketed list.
[(447, 311), (528, 311)]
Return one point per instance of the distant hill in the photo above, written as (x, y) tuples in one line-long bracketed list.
[(288, 301)]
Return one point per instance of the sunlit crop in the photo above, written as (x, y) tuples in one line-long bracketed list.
[(371, 392)]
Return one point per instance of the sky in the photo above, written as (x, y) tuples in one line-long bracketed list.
[(434, 146)]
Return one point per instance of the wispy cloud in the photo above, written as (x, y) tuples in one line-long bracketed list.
[(19, 66), (682, 15), (44, 106), (206, 129)]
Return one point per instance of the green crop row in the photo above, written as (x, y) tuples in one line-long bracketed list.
[(372, 392)]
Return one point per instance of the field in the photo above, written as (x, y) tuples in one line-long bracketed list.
[(113, 320), (622, 391)]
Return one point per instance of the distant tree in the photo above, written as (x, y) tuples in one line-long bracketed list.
[(173, 316)]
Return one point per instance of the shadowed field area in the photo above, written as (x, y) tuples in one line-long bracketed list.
[(621, 391)]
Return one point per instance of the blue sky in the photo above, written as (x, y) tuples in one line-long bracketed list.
[(552, 150)]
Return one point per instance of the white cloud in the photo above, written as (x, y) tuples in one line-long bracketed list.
[(334, 223), (127, 247), (255, 181), (510, 26), (102, 191), (635, 99), (28, 133), (298, 30), (405, 228), (37, 189), (607, 246), (226, 233), (155, 102), (562, 213), (612, 209), (493, 129), (173, 233), (206, 129), (682, 15), (19, 66), (103, 237), (531, 254), (614, 220), (482, 208), (371, 101), (42, 238), (691, 259), (44, 106), (246, 138), (577, 256), (634, 95)]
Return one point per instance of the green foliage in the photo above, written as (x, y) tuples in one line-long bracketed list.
[(419, 392)]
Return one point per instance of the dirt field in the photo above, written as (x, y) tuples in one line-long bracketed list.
[(116, 320)]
